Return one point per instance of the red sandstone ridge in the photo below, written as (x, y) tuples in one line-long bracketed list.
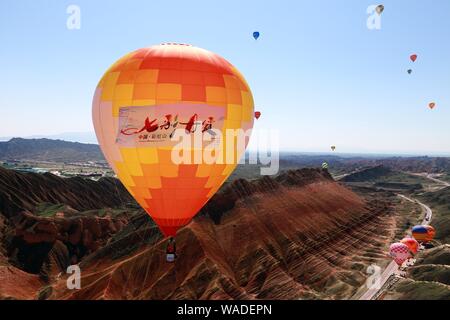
[(23, 191), (291, 237)]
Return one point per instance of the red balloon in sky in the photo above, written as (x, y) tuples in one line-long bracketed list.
[(257, 115), (413, 57)]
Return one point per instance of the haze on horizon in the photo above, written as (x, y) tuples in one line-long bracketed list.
[(318, 75)]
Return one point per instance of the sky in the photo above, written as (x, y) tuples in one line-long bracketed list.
[(319, 76)]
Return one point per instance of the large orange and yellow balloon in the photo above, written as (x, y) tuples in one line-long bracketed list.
[(141, 101)]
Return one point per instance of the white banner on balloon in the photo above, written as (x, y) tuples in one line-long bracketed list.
[(156, 125)]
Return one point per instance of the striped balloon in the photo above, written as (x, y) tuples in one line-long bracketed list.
[(423, 233)]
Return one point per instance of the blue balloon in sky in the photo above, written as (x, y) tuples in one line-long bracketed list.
[(256, 35)]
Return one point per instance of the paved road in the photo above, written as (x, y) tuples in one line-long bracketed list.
[(387, 273), (428, 212), (431, 177), (392, 267), (339, 177)]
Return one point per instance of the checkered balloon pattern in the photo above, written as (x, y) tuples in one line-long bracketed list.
[(151, 91), (399, 252)]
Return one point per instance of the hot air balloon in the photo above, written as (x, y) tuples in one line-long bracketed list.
[(139, 105), (423, 234), (399, 252), (379, 9), (409, 71), (324, 165), (413, 57), (257, 115), (333, 148), (431, 105), (256, 35), (412, 244)]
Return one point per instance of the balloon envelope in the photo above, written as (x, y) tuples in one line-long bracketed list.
[(256, 35), (257, 115), (333, 148), (325, 165), (139, 105), (412, 244), (423, 233), (413, 57), (399, 252), (379, 9), (431, 105), (431, 233), (409, 71)]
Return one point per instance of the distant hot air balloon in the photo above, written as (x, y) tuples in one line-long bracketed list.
[(256, 35), (139, 105), (324, 165), (423, 234), (399, 252), (379, 9), (257, 115), (413, 57), (412, 244), (431, 105), (409, 71), (333, 148)]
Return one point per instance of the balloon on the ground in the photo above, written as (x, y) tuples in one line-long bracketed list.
[(423, 234), (399, 252), (139, 105), (256, 35), (412, 244), (413, 57), (379, 9), (257, 115)]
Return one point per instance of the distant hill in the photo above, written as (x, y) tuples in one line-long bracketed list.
[(49, 150), (369, 174), (24, 191), (82, 137)]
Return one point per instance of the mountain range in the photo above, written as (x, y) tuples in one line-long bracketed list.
[(49, 150), (82, 137), (301, 235)]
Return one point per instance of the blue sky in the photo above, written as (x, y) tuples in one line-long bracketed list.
[(318, 75)]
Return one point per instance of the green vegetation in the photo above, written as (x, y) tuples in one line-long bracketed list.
[(439, 202), (439, 273), (46, 209), (384, 178), (422, 290), (408, 215)]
